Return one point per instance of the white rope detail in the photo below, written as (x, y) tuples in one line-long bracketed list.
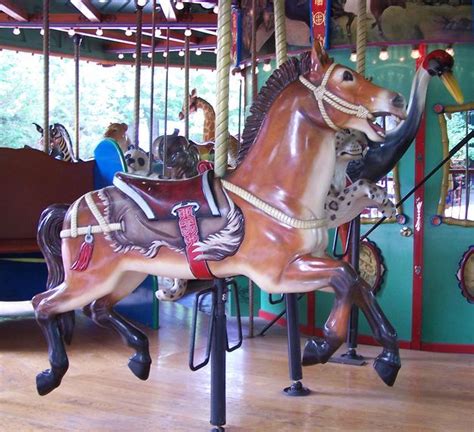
[(74, 209), (94, 229), (322, 94), (272, 211), (95, 211)]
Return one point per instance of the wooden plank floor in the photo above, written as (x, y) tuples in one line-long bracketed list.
[(434, 392)]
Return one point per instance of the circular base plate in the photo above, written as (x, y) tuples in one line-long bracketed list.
[(297, 389)]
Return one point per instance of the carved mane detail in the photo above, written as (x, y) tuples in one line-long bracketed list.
[(286, 74)]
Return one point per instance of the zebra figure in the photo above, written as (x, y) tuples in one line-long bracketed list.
[(60, 144)]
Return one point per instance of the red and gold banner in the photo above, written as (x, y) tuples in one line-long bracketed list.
[(319, 20)]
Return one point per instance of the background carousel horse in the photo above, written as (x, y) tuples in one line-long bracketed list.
[(118, 132), (261, 223), (209, 129), (60, 144)]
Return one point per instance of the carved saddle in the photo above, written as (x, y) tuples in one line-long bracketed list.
[(194, 216)]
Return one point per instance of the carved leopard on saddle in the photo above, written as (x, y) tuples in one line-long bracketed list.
[(345, 200)]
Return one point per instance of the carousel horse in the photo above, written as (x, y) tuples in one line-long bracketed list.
[(60, 144), (265, 220), (381, 157), (209, 129), (118, 132)]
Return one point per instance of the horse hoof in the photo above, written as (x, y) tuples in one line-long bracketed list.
[(387, 366), (46, 382), (313, 352), (141, 369)]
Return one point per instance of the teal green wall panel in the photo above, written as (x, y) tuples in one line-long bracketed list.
[(447, 316)]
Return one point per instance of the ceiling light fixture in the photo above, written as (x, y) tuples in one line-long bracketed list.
[(415, 53), (181, 53), (71, 32), (450, 50), (267, 67), (99, 32), (383, 55), (188, 32), (165, 54), (353, 57), (179, 5), (198, 52), (216, 9), (16, 31), (158, 32), (149, 55), (121, 56), (128, 32)]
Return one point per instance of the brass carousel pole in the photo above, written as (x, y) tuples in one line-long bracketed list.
[(46, 75)]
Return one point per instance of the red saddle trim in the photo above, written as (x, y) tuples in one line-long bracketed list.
[(190, 231)]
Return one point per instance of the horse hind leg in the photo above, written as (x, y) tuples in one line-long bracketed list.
[(102, 313), (49, 323), (319, 350), (387, 364)]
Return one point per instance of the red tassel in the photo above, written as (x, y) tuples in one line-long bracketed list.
[(85, 255)]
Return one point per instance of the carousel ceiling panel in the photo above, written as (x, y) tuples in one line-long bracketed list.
[(108, 27)]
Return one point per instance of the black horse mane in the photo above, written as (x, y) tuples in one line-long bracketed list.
[(286, 74)]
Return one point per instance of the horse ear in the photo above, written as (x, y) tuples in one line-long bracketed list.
[(39, 128), (130, 147), (193, 92), (319, 57)]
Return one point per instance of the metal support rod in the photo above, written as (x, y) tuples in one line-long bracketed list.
[(46, 75), (294, 346), (451, 153), (253, 51), (186, 87), (77, 39), (251, 311), (138, 63), (165, 139), (152, 88), (218, 357), (354, 318)]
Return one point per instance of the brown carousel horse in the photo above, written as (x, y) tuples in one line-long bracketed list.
[(266, 220)]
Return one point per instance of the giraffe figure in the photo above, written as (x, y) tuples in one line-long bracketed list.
[(209, 129)]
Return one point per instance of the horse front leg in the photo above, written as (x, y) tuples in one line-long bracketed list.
[(310, 272), (349, 289)]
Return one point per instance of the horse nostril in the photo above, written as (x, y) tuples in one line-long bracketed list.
[(398, 101)]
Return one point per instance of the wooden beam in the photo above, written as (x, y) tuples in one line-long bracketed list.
[(116, 21), (86, 8), (168, 10), (13, 11)]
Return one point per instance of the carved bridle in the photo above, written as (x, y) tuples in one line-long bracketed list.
[(322, 94)]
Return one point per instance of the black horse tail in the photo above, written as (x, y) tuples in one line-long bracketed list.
[(49, 242)]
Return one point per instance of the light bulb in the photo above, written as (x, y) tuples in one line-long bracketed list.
[(181, 53), (450, 50), (353, 56), (402, 59), (99, 32), (179, 5), (383, 55), (134, 55), (128, 32), (121, 56), (215, 50), (71, 32), (149, 55), (165, 54), (198, 52), (157, 32), (188, 32), (267, 67), (215, 9), (256, 69), (415, 53), (142, 3), (16, 31), (42, 32)]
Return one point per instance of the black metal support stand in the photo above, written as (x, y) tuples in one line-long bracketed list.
[(294, 348), (351, 357), (217, 346)]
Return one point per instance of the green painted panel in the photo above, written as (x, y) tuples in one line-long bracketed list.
[(447, 316)]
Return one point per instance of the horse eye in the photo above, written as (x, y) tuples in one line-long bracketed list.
[(141, 161), (347, 76)]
